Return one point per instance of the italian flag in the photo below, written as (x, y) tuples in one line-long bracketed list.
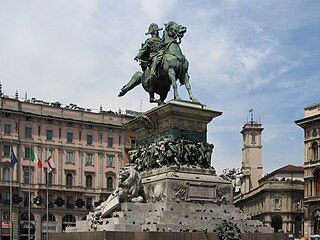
[(35, 158)]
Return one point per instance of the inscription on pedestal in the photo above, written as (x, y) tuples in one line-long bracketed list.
[(201, 193)]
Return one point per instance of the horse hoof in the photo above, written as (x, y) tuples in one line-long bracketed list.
[(194, 100)]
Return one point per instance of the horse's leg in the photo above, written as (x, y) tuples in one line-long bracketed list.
[(172, 77), (135, 81), (188, 87), (151, 97)]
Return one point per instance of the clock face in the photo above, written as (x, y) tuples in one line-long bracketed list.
[(314, 133)]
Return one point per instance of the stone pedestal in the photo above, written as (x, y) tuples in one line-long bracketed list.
[(182, 192), (186, 184), (176, 119)]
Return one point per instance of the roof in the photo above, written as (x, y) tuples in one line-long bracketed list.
[(286, 169)]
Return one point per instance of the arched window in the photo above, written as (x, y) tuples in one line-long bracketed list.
[(297, 226), (68, 221), (253, 138), (314, 151), (25, 216), (89, 181), (316, 221), (69, 179), (109, 182), (276, 223)]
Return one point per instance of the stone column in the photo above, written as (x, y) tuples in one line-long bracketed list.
[(37, 218), (59, 223)]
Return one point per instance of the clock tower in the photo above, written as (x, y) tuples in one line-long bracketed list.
[(251, 153)]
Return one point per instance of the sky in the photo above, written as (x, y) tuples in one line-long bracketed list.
[(243, 54)]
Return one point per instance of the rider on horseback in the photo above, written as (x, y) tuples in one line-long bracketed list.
[(149, 52), (162, 63)]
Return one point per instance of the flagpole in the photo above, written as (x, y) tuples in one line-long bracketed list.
[(11, 227), (47, 194), (29, 203)]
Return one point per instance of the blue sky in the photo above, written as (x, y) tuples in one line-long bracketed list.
[(243, 54)]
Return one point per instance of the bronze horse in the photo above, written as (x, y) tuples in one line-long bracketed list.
[(172, 66)]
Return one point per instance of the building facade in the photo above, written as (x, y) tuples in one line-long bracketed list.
[(311, 126), (87, 148), (275, 199)]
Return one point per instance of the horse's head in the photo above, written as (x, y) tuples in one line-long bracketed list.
[(175, 30)]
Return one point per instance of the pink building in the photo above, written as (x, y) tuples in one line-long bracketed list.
[(87, 148)]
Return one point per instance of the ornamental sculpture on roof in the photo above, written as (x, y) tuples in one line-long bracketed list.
[(162, 64)]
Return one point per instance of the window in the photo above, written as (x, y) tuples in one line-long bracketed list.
[(5, 197), (89, 203), (69, 203), (100, 137), (6, 174), (49, 121), (49, 135), (28, 132), (69, 157), (110, 161), (60, 133), (89, 181), (110, 142), (80, 134), (277, 203), (89, 159), (133, 143), (6, 151), (25, 199), (110, 129), (39, 130), (69, 124), (48, 177), (69, 137), (89, 139), (253, 138), (69, 179), (26, 178), (5, 216), (26, 153), (109, 183), (7, 129), (314, 151)]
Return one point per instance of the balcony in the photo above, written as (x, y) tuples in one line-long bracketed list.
[(312, 199)]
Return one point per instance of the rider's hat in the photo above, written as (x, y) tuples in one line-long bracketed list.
[(153, 28)]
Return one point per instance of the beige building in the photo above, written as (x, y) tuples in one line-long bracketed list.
[(275, 199), (311, 125), (251, 154), (87, 147)]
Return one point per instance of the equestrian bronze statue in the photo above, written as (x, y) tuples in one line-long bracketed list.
[(162, 64)]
